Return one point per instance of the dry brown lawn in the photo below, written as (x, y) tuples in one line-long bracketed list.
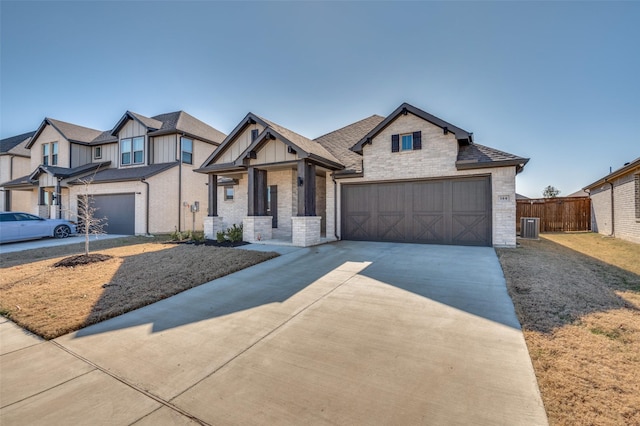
[(578, 299), (52, 301)]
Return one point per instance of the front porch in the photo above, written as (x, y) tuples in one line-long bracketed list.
[(282, 204)]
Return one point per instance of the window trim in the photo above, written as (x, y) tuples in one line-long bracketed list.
[(183, 152), (132, 151)]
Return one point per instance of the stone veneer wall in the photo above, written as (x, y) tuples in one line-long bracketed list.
[(306, 230)]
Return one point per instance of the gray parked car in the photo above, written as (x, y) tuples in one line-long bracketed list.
[(18, 226)]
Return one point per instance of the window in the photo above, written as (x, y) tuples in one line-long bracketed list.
[(187, 150), (45, 154), (54, 153), (97, 152), (254, 135), (407, 142), (132, 151), (228, 193)]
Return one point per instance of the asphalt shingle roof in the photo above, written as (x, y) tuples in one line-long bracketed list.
[(16, 144), (340, 141), (182, 122), (480, 154), (131, 173), (75, 133)]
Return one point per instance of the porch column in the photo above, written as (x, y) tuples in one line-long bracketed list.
[(213, 195), (257, 192), (306, 188), (58, 200)]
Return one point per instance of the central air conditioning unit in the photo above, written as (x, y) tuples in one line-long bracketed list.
[(529, 227)]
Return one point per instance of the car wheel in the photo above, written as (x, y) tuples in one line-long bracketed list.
[(62, 231)]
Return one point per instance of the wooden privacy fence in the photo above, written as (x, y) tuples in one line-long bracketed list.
[(559, 214)]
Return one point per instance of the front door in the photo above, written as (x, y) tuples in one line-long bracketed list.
[(272, 205)]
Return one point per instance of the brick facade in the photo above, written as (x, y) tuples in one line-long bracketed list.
[(437, 159), (625, 223)]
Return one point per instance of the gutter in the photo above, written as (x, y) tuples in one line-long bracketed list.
[(143, 180)]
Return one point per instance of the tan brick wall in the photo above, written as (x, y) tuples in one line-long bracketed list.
[(437, 159), (625, 224), (306, 231), (233, 211)]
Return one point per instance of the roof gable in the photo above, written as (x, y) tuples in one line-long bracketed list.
[(71, 132), (184, 123), (405, 108), (304, 147), (149, 123)]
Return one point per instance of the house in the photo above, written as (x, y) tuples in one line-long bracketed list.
[(140, 171), (406, 177), (615, 203), (14, 163)]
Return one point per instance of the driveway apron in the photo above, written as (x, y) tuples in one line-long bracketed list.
[(343, 333)]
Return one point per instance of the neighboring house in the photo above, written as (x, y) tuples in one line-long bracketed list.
[(578, 194), (14, 163), (141, 171), (615, 203), (521, 197), (407, 177)]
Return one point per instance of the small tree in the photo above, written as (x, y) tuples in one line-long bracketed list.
[(87, 220), (550, 192)]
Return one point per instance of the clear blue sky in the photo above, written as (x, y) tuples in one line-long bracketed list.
[(556, 82)]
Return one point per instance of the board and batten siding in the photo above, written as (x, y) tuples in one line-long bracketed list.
[(241, 142), (133, 129), (273, 151), (436, 159), (80, 155), (109, 153), (164, 149)]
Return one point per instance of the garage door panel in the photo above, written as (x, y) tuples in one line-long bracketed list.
[(445, 211), (470, 229), (428, 228), (119, 211)]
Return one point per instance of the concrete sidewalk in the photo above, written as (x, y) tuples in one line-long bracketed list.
[(344, 333), (52, 242)]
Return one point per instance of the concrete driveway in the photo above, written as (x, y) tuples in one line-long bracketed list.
[(344, 333)]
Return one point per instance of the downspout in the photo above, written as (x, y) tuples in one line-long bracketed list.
[(143, 180), (11, 167), (335, 206), (180, 184), (613, 221)]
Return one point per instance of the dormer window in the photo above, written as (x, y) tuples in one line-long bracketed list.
[(132, 151)]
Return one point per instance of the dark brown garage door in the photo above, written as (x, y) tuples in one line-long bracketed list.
[(447, 211), (119, 209)]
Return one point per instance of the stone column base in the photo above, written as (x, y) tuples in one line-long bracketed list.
[(305, 230), (257, 228), (212, 225)]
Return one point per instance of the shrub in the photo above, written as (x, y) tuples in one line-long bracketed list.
[(221, 237), (176, 235), (198, 236), (235, 233)]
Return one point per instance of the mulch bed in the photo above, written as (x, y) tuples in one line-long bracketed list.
[(82, 259), (211, 243)]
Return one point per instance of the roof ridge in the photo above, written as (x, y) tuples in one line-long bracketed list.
[(348, 125)]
